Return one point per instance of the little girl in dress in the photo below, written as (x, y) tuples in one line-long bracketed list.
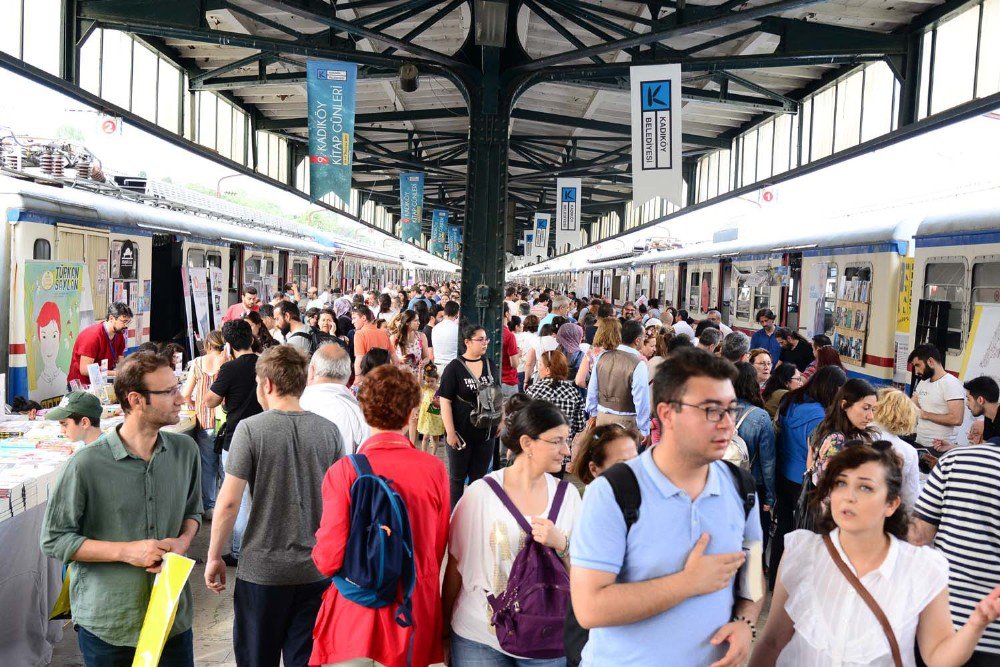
[(429, 422)]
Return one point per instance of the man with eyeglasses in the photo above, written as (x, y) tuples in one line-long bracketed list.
[(99, 343), (119, 506), (663, 586), (766, 337)]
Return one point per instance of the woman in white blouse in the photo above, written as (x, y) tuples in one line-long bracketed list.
[(485, 538), (818, 619)]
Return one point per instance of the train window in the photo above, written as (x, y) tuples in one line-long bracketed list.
[(694, 293), (214, 259), (761, 296), (829, 298), (706, 292), (196, 258), (743, 304), (945, 281), (269, 267), (251, 268), (858, 273), (985, 283), (41, 249)]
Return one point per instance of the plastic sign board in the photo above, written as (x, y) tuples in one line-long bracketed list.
[(439, 230), (411, 204), (330, 87), (543, 221), (568, 200), (656, 133)]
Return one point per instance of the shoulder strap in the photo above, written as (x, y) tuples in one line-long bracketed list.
[(301, 333), (745, 414), (361, 464), (745, 484), (852, 579), (509, 504), (625, 486), (557, 501)]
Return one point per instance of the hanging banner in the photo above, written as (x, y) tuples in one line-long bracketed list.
[(411, 205), (331, 93), (454, 250), (656, 133), (51, 323), (218, 289), (541, 245), (528, 243), (568, 197), (439, 231)]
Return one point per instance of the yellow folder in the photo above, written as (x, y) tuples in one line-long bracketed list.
[(163, 601)]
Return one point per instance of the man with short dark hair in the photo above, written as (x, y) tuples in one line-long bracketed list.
[(367, 336), (281, 456), (982, 397), (79, 417), (766, 337), (289, 320), (250, 302), (709, 339), (939, 397), (122, 504), (665, 586), (102, 342), (445, 337), (682, 326), (618, 391)]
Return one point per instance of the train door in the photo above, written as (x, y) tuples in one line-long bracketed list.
[(725, 288), (792, 292), (236, 275), (284, 268), (169, 315), (94, 249)]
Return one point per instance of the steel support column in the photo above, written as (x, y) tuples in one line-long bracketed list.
[(485, 204)]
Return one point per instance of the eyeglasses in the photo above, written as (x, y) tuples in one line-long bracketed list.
[(763, 364), (559, 442), (480, 340), (173, 391), (798, 378), (713, 413), (124, 320)]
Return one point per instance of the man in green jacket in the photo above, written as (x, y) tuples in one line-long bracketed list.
[(119, 506)]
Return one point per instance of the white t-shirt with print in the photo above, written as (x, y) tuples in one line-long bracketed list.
[(934, 397), (485, 539)]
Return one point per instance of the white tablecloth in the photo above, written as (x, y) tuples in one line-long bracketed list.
[(29, 585)]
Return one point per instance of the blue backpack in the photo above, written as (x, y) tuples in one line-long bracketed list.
[(378, 559)]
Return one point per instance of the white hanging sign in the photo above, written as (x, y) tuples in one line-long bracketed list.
[(543, 222), (656, 133), (568, 200)]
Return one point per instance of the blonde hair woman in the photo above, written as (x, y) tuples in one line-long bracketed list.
[(201, 375), (607, 337), (896, 415)]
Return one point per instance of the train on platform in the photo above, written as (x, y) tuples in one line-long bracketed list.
[(173, 262), (877, 283)]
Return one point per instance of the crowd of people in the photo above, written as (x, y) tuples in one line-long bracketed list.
[(601, 490)]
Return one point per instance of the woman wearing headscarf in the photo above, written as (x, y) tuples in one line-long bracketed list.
[(569, 336)]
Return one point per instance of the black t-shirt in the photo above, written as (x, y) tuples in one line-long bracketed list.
[(427, 332), (991, 428), (801, 356), (588, 334), (236, 383), (459, 387)]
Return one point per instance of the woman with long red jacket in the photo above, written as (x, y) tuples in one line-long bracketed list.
[(346, 630)]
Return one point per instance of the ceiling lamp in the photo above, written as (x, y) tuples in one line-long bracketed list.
[(491, 23), (409, 78)]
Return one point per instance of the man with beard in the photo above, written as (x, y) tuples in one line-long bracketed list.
[(982, 397), (105, 341), (290, 323), (119, 506), (939, 397)]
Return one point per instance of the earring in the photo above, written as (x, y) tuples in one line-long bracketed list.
[(529, 453)]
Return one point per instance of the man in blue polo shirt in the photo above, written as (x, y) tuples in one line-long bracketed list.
[(661, 592), (766, 337)]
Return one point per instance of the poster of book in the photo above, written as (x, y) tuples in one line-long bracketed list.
[(200, 297), (218, 287), (51, 323), (850, 320)]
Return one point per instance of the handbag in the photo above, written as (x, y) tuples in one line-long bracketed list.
[(803, 517), (897, 657)]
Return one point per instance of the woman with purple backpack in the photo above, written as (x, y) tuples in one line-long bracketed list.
[(506, 587)]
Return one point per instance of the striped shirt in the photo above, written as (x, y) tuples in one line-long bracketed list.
[(962, 498)]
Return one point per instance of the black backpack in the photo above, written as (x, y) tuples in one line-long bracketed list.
[(318, 339), (487, 411), (625, 486)]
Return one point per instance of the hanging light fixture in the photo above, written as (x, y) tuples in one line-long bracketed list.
[(409, 78), (491, 23)]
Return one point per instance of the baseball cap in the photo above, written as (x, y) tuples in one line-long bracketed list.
[(653, 322), (78, 403)]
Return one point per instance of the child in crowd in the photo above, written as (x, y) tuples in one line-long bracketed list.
[(429, 423)]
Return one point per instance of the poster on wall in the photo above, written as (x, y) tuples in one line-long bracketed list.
[(127, 292), (817, 295), (124, 260), (982, 353), (200, 297), (52, 305), (905, 295), (102, 279), (215, 280)]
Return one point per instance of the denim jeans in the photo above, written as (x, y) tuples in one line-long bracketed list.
[(242, 517), (467, 653), (212, 473), (177, 652)]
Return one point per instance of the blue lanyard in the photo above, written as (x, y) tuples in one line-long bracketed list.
[(111, 344)]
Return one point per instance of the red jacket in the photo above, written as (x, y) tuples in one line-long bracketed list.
[(345, 630)]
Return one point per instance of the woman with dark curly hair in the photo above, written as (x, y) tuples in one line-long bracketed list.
[(817, 616), (262, 338), (389, 398)]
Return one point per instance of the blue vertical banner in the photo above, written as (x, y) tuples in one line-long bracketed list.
[(439, 231), (331, 87), (411, 205), (458, 244), (452, 249)]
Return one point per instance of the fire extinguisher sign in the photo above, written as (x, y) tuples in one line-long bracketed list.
[(657, 132)]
